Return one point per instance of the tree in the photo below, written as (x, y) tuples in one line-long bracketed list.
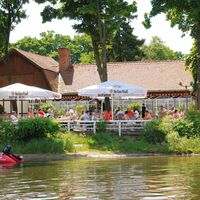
[(157, 50), (125, 46), (185, 14), (50, 41), (98, 18), (11, 13)]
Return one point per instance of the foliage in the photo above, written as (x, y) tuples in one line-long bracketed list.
[(183, 127), (80, 109), (99, 19), (50, 42), (125, 46), (7, 131), (101, 125), (183, 144), (1, 109), (38, 127), (185, 14), (11, 13), (157, 50), (153, 132), (194, 118), (136, 106), (46, 106), (43, 145)]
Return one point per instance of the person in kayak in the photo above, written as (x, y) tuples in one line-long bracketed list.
[(7, 151)]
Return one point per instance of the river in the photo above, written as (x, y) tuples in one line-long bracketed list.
[(146, 178)]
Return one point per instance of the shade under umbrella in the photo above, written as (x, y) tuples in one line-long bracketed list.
[(20, 91), (113, 89)]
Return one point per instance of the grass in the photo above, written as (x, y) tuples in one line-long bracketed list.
[(74, 143)]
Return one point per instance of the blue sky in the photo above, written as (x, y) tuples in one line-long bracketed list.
[(32, 26)]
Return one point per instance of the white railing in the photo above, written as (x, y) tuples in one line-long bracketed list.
[(119, 126)]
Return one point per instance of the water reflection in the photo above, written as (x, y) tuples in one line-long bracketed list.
[(131, 178)]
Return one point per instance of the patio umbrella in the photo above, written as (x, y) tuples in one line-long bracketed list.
[(20, 91), (113, 89)]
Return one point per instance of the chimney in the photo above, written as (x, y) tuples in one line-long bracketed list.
[(64, 58)]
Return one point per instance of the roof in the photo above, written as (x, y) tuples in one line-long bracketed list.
[(43, 62), (152, 75)]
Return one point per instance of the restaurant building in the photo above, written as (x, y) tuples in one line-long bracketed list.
[(166, 81)]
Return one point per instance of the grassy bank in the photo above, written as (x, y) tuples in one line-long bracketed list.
[(74, 143)]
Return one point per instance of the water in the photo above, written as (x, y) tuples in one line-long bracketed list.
[(146, 178)]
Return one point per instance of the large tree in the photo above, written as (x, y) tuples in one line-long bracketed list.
[(185, 14), (157, 50), (98, 18), (125, 46), (11, 13)]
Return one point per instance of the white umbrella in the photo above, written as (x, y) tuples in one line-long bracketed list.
[(113, 89), (21, 92)]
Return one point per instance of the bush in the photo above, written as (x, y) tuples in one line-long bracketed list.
[(194, 118), (183, 127), (46, 106), (36, 128), (7, 131), (183, 144), (136, 105), (154, 131), (101, 125)]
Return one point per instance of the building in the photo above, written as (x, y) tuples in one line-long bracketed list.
[(162, 79)]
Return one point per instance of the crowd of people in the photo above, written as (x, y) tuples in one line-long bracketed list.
[(118, 114), (128, 114)]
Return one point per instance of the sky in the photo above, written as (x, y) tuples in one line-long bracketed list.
[(172, 37)]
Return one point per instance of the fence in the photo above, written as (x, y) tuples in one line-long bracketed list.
[(120, 126)]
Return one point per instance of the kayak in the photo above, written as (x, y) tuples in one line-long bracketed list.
[(6, 159)]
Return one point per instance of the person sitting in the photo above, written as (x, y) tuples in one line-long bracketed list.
[(107, 115), (126, 116), (147, 116), (6, 150), (30, 113), (120, 115), (176, 115), (130, 113), (40, 113), (13, 117)]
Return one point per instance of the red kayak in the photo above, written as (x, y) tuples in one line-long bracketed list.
[(7, 159)]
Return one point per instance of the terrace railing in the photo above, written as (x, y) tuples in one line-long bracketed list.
[(119, 126)]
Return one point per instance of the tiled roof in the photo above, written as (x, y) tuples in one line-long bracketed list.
[(43, 62), (154, 75)]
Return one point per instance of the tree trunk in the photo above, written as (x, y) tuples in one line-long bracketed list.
[(198, 68)]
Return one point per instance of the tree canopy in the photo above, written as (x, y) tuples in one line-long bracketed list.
[(49, 43), (11, 13), (186, 15), (157, 50), (125, 46)]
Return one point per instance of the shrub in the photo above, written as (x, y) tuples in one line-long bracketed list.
[(136, 105), (194, 118), (183, 144), (183, 127), (7, 131), (80, 109), (101, 125), (154, 131), (46, 106), (36, 128)]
